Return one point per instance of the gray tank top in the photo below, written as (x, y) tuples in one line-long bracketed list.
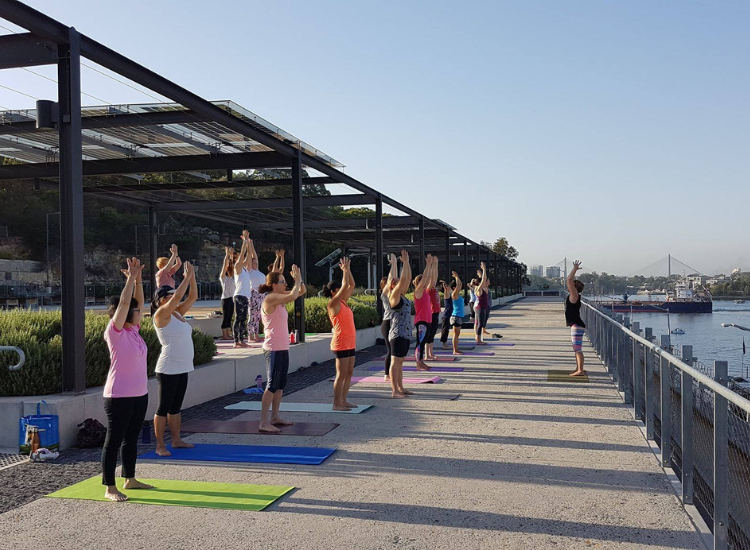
[(387, 309), (401, 321)]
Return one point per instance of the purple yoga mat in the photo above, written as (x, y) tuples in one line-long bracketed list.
[(444, 358), (467, 353), (432, 369), (379, 380)]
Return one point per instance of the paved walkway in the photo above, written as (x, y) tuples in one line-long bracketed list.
[(517, 462)]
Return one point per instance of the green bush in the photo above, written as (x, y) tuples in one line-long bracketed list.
[(38, 334), (316, 313)]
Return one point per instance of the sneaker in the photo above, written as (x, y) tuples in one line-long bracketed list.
[(43, 454)]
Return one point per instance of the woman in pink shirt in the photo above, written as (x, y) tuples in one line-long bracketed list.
[(167, 268), (126, 389), (423, 308), (276, 343)]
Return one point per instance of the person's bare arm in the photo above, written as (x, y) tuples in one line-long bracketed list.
[(482, 286), (571, 282), (459, 286), (335, 303), (185, 306), (240, 262), (350, 281), (281, 260), (425, 280), (393, 273), (138, 293), (403, 282), (274, 299), (163, 315), (132, 273)]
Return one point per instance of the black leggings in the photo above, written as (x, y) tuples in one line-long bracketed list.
[(385, 328), (423, 330), (433, 328), (446, 327), (227, 308), (240, 319), (172, 388), (125, 417)]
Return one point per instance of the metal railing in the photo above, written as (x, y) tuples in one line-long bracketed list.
[(703, 434), (21, 357)]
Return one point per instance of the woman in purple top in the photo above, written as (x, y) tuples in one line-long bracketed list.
[(126, 389), (481, 307)]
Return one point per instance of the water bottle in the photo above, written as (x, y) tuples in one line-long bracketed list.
[(259, 381)]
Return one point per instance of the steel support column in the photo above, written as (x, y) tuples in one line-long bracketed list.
[(379, 252), (71, 214), (152, 248), (466, 271), (421, 245), (298, 242), (721, 460)]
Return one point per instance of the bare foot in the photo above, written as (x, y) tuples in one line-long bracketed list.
[(578, 373), (351, 405), (162, 451), (398, 395), (407, 392), (445, 346), (135, 484), (432, 358), (241, 345), (456, 352), (180, 444), (341, 408), (425, 368), (268, 428), (113, 494), (276, 421), (386, 378), (481, 343)]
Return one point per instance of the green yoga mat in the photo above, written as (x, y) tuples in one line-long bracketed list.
[(564, 376), (196, 494)]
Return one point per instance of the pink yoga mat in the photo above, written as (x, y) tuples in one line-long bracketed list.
[(432, 369), (411, 358), (379, 380)]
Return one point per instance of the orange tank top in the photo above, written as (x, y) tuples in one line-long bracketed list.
[(344, 332)]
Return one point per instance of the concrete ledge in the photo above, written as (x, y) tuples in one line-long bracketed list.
[(215, 379)]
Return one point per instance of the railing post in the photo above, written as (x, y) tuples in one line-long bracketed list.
[(649, 334), (637, 379), (648, 400), (721, 460), (686, 398), (665, 377)]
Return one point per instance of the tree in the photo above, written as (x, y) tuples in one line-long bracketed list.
[(502, 247)]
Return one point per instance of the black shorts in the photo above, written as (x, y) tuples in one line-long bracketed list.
[(457, 321), (172, 388), (344, 353), (400, 347), (277, 368)]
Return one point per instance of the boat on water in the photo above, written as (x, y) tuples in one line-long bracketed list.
[(681, 300), (678, 330), (739, 301)]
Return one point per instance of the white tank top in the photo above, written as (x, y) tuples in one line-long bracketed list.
[(177, 351), (242, 284)]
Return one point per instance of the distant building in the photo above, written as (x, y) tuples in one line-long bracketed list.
[(695, 281), (736, 272), (537, 270), (553, 272)]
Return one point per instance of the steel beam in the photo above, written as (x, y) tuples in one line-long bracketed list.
[(26, 50), (379, 252), (99, 122), (260, 204), (202, 185), (71, 215), (299, 241)]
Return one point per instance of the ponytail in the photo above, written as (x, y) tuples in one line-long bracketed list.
[(271, 279)]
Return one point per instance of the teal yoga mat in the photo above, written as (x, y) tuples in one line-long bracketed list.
[(296, 407)]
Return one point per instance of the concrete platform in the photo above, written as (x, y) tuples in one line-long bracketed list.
[(516, 462)]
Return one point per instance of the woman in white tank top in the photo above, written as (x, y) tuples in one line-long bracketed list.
[(176, 357)]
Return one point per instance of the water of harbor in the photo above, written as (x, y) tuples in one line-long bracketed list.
[(711, 342)]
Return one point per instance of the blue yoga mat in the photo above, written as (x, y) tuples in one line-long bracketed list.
[(246, 453)]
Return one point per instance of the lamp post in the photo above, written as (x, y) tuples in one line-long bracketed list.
[(47, 216)]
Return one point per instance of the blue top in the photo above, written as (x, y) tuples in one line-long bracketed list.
[(458, 307)]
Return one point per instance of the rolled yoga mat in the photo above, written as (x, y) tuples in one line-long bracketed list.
[(413, 369), (379, 380), (296, 407), (246, 453), (432, 394), (251, 427), (196, 494), (564, 376)]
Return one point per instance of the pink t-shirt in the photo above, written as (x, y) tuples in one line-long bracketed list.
[(164, 277), (127, 376), (423, 307), (276, 329)]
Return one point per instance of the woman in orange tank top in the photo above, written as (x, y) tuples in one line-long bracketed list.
[(344, 341)]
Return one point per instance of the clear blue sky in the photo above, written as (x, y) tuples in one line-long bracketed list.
[(611, 131)]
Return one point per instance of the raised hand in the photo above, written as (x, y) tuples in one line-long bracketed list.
[(296, 274), (134, 269), (173, 249), (577, 265), (455, 275), (483, 266), (392, 258), (344, 264), (245, 234), (404, 257), (188, 270)]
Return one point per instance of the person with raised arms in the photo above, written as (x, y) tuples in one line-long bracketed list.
[(481, 307), (242, 292), (126, 388), (423, 307), (278, 262), (344, 340), (168, 267), (401, 327), (257, 278), (573, 317), (447, 313), (386, 285), (435, 302), (457, 318), (276, 344), (226, 278), (176, 358)]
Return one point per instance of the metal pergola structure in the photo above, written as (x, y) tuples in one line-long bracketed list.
[(69, 147)]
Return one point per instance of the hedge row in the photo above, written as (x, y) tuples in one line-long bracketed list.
[(38, 334)]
